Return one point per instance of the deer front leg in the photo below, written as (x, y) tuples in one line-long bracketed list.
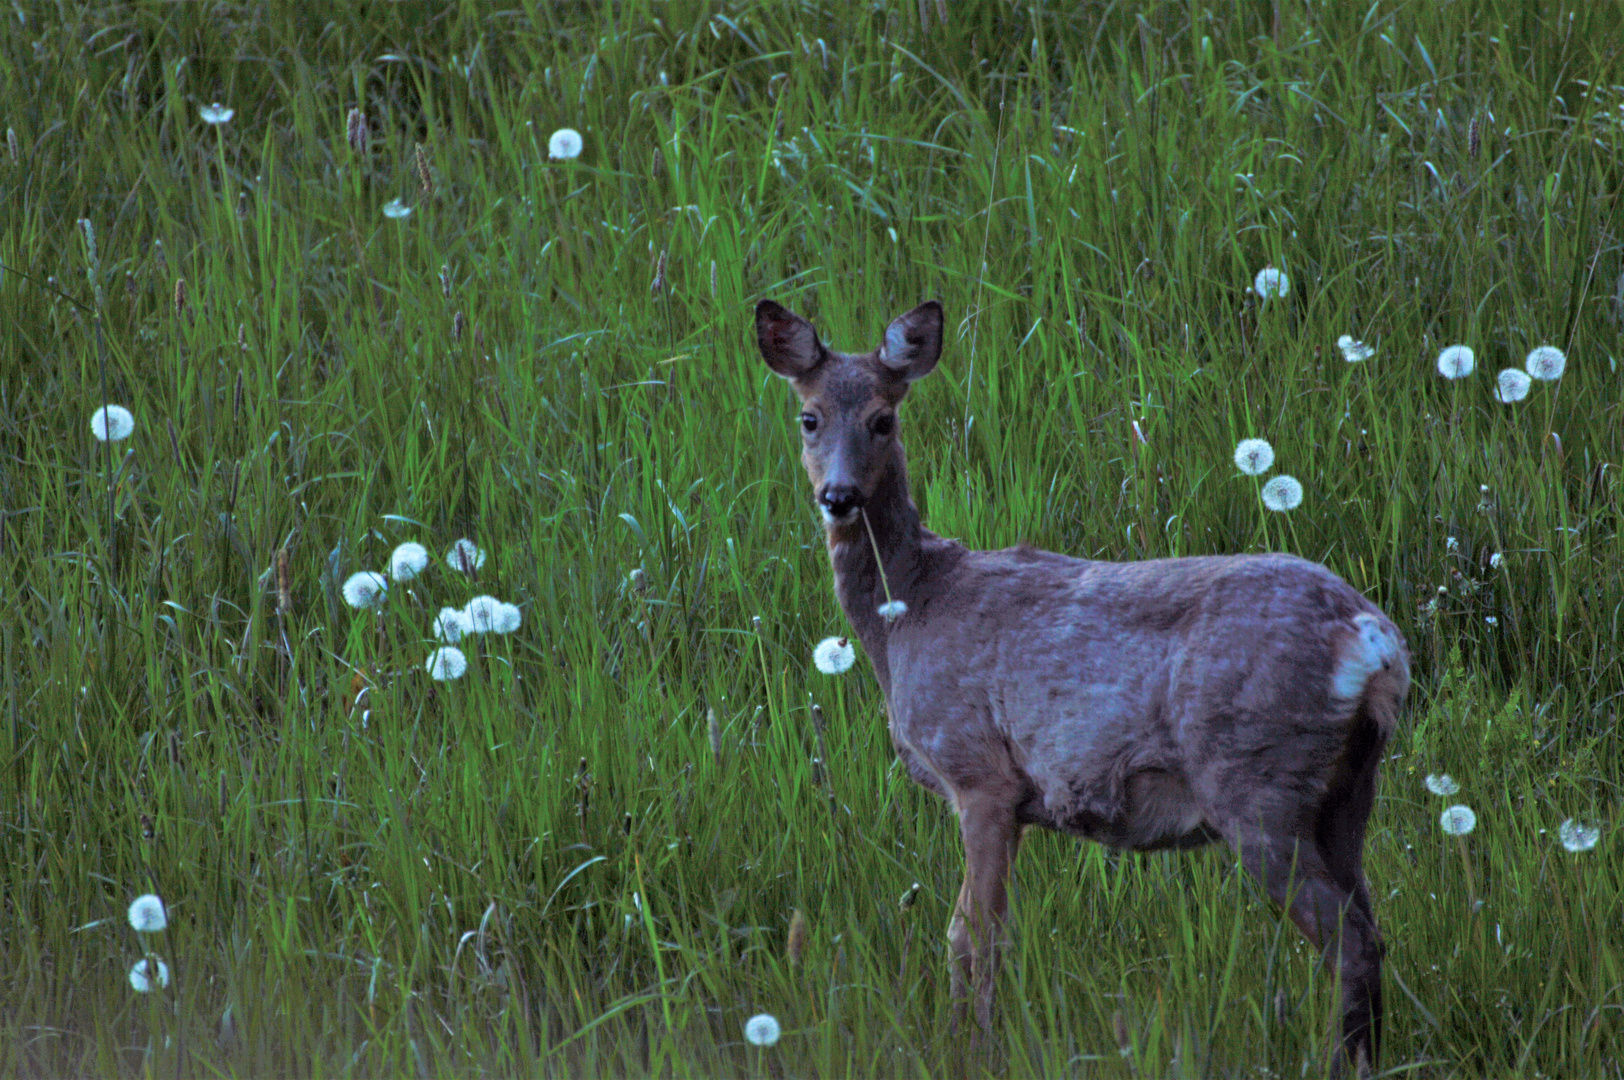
[(975, 934)]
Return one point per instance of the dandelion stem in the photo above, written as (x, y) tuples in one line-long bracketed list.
[(884, 584), (1471, 888), (225, 188)]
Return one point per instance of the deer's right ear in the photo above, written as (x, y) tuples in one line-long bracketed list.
[(787, 342)]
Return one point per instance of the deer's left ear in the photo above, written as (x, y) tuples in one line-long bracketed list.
[(913, 342)]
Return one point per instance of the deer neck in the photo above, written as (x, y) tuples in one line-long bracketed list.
[(860, 587)]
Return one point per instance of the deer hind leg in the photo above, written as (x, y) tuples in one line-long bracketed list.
[(1339, 835), (975, 934), (1333, 911)]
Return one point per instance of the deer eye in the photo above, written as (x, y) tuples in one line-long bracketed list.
[(809, 423), (884, 424)]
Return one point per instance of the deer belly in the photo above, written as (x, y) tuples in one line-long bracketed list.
[(1156, 809)]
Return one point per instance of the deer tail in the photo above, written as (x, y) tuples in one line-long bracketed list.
[(1372, 670)]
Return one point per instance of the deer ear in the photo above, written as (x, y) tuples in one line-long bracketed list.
[(787, 342), (913, 342)]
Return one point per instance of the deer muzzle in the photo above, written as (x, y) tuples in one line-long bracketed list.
[(840, 503)]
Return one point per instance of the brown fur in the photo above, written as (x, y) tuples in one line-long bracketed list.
[(1144, 705)]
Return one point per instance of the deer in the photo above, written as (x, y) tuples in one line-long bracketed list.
[(1157, 704)]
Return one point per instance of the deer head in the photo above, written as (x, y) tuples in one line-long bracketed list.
[(849, 403)]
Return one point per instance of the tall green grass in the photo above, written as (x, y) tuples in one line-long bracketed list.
[(545, 867)]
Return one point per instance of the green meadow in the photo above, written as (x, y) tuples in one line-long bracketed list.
[(583, 856)]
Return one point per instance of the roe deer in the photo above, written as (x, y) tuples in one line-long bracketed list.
[(1145, 705)]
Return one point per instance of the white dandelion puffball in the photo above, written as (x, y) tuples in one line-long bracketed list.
[(1577, 836), (1512, 385), (892, 610), (446, 663), (481, 613), (1254, 456), (216, 114), (1442, 784), (1283, 493), (834, 656), (368, 589), (1546, 363), (112, 423), (147, 914), (465, 556), (1456, 362), (1496, 561), (1354, 352), (450, 624), (762, 1029), (1457, 821), (564, 144), (407, 561), (1271, 281), (395, 210), (142, 975), (507, 620)]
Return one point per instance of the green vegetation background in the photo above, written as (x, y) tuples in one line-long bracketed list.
[(544, 867)]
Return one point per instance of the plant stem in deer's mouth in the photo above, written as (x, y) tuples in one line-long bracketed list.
[(884, 584)]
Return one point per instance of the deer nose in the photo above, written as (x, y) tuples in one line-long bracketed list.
[(840, 501)]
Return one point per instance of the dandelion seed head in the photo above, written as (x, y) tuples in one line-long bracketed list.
[(1254, 456), (446, 663), (1458, 820), (507, 619), (1512, 385), (1283, 493), (408, 560), (1578, 836), (112, 423), (450, 625), (147, 914), (480, 614), (1442, 784), (395, 210), (1354, 351), (564, 144), (892, 610), (147, 972), (1271, 281), (465, 556), (1496, 561), (834, 656), (1546, 363), (1456, 362), (216, 114), (367, 589), (761, 1029)]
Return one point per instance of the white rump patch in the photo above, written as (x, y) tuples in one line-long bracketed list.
[(1374, 646)]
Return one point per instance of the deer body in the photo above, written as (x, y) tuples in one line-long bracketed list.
[(1143, 705)]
